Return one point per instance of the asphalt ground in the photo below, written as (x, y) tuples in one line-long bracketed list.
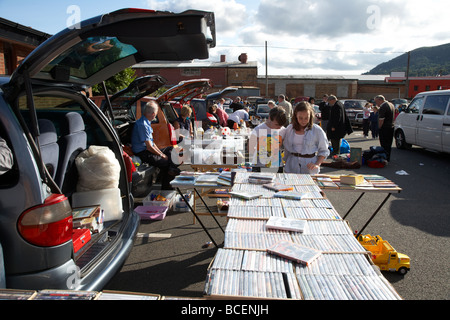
[(169, 259)]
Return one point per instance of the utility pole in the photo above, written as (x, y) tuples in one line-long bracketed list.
[(267, 76)]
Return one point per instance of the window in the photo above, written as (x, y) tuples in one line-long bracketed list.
[(187, 72), (415, 105), (436, 104), (91, 56)]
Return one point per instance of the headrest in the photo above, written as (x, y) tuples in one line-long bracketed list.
[(48, 132), (74, 123)]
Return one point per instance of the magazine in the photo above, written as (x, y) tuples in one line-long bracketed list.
[(275, 186)]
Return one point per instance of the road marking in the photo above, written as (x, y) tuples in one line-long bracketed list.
[(154, 235)]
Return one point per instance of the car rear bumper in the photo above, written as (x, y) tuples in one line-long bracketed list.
[(67, 275)]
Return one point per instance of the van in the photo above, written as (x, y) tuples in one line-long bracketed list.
[(425, 122), (47, 121)]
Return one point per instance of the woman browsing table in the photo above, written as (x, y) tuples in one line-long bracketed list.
[(305, 143)]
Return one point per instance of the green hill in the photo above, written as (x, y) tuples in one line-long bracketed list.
[(425, 61)]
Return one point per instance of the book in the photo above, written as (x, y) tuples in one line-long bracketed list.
[(352, 179), (85, 212), (275, 186), (287, 224), (291, 195), (260, 178), (246, 195), (295, 252)]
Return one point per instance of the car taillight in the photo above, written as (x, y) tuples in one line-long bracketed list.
[(49, 224)]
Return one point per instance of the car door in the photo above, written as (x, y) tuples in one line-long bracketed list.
[(431, 121), (408, 120), (446, 131)]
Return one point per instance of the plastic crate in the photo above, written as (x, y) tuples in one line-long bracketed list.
[(151, 212), (180, 205), (168, 194)]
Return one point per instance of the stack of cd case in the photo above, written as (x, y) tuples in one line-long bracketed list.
[(244, 268)]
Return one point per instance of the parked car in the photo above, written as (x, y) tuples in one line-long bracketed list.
[(425, 122), (352, 108), (200, 106), (262, 111), (47, 120)]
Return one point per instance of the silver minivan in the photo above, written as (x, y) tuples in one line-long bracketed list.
[(47, 120), (425, 122)]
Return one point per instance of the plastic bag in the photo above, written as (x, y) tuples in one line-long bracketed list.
[(98, 169)]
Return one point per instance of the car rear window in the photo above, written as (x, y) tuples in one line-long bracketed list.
[(90, 56)]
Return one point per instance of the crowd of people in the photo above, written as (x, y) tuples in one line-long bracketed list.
[(288, 141)]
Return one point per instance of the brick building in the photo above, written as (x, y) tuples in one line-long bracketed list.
[(16, 42), (222, 74)]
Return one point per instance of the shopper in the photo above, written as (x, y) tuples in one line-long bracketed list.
[(386, 114), (337, 124), (287, 106), (265, 143), (305, 143)]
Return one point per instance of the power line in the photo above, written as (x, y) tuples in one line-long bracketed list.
[(310, 49)]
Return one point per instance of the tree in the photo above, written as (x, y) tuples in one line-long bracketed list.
[(116, 83)]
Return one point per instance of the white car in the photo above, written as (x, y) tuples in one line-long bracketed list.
[(425, 122)]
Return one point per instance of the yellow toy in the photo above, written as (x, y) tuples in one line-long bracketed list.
[(384, 255)]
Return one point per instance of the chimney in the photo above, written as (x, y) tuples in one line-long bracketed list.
[(223, 58)]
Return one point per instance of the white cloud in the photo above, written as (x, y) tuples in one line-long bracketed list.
[(297, 31)]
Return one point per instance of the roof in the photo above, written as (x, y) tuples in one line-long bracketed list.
[(195, 64), (16, 32)]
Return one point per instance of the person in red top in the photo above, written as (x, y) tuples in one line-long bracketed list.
[(223, 117)]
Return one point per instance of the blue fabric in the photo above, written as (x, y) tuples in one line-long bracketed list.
[(48, 145), (70, 144), (142, 132)]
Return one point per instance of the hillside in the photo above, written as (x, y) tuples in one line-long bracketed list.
[(425, 61)]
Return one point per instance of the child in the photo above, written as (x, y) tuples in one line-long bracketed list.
[(265, 142)]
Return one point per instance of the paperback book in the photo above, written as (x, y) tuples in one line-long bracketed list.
[(295, 252)]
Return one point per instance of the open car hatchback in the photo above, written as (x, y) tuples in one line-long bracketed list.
[(47, 120)]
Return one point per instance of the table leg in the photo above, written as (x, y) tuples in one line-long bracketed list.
[(373, 215), (193, 212), (354, 204), (209, 210)]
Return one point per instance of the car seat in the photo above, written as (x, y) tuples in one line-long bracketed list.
[(73, 140), (49, 146)]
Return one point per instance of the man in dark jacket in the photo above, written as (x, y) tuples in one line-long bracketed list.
[(386, 124), (324, 108), (336, 128)]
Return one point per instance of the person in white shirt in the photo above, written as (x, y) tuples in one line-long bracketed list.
[(305, 143), (236, 117), (265, 143)]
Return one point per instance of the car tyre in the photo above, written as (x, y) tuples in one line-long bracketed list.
[(400, 140)]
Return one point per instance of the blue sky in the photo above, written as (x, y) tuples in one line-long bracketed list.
[(304, 37)]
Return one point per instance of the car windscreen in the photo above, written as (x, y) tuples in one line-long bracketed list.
[(353, 105)]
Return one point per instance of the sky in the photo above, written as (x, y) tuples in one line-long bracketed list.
[(304, 37)]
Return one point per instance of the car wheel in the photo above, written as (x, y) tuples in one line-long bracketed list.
[(400, 141)]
